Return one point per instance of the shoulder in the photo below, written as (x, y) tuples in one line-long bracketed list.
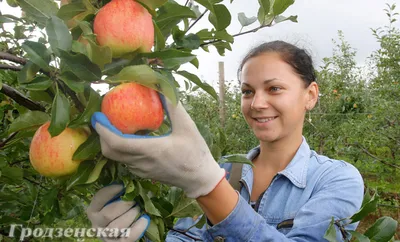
[(327, 170)]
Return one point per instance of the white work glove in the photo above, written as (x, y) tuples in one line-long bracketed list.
[(180, 158), (108, 213)]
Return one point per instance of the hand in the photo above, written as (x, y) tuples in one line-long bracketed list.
[(108, 211), (180, 158)]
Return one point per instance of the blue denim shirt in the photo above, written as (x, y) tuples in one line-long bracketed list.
[(297, 206)]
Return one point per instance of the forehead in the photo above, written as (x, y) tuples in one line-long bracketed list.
[(265, 67)]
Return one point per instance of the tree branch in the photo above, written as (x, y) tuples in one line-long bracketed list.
[(69, 92), (8, 67), (20, 98), (66, 89), (13, 58), (3, 143), (373, 156)]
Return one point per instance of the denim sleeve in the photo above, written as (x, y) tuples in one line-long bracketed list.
[(182, 234), (339, 195)]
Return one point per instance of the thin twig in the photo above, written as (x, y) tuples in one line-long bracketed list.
[(197, 20), (20, 98), (373, 156), (8, 67), (3, 143), (37, 183), (238, 34), (181, 232)]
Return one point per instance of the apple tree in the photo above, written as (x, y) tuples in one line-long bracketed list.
[(50, 60)]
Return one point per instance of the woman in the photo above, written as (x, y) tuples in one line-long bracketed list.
[(291, 194)]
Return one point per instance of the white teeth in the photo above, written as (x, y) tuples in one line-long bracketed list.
[(263, 120)]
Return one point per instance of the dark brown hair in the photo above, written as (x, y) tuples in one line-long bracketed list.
[(297, 58)]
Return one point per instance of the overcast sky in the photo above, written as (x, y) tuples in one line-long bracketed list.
[(318, 23)]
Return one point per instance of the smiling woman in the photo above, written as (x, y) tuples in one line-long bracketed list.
[(290, 194)]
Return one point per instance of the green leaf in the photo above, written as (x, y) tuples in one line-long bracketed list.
[(94, 175), (49, 200), (88, 149), (152, 232), (223, 35), (81, 66), (186, 207), (201, 222), (59, 36), (330, 233), (263, 10), (5, 19), (235, 158), (220, 17), (281, 5), (146, 76), (153, 4), (81, 175), (94, 105), (170, 14), (367, 208), (203, 85), (70, 10), (11, 175), (159, 38), (358, 236), (28, 120), (39, 10), (382, 230), (28, 72), (38, 54), (190, 41), (99, 55), (281, 18), (245, 21), (73, 82), (148, 204), (40, 83), (221, 47), (171, 58), (59, 114)]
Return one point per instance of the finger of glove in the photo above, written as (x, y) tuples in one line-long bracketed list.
[(121, 149), (103, 196), (181, 121), (134, 233), (137, 229), (126, 219), (112, 211)]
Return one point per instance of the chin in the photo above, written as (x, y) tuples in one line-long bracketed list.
[(268, 138)]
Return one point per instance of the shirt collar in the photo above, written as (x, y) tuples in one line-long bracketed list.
[(296, 170)]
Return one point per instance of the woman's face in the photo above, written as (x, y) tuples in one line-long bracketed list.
[(274, 98)]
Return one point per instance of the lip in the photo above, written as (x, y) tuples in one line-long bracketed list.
[(264, 123)]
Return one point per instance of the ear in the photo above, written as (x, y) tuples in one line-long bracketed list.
[(312, 95)]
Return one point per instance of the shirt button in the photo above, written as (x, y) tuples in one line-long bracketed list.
[(219, 239)]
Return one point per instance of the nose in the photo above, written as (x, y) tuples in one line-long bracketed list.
[(259, 101)]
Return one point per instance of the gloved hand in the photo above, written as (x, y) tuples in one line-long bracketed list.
[(180, 158), (108, 211)]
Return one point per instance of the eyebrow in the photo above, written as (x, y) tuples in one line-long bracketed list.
[(265, 82)]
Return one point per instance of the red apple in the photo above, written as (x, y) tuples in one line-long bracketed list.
[(125, 26), (52, 156), (132, 107)]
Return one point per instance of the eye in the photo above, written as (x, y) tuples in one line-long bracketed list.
[(246, 92), (275, 89)]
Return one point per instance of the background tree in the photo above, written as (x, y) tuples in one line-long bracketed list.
[(46, 74)]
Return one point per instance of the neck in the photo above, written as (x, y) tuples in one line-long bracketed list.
[(277, 155)]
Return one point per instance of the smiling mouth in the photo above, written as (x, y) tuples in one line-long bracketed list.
[(264, 120)]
